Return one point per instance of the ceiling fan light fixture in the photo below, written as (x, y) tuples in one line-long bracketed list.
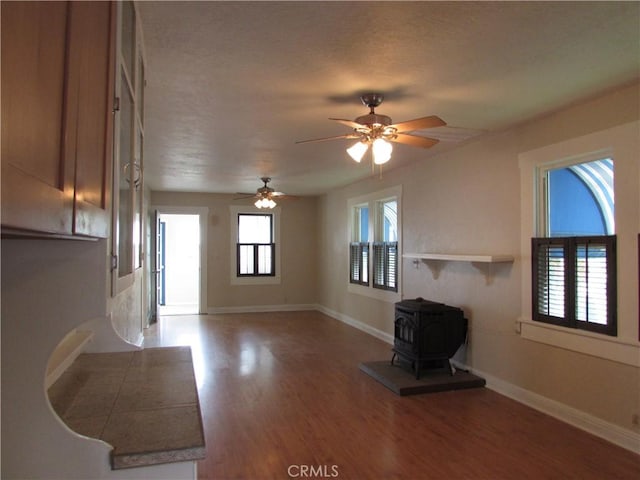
[(381, 151), (378, 131), (265, 202), (357, 150)]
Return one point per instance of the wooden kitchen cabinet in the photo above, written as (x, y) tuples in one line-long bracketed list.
[(92, 66), (57, 123), (36, 193)]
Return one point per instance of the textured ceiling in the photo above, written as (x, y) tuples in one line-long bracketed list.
[(232, 85)]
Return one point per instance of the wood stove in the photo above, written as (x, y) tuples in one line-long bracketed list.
[(427, 333)]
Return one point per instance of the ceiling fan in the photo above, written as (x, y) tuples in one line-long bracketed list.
[(264, 195), (377, 131)]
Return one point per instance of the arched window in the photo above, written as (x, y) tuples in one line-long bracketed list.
[(574, 259), (581, 200)]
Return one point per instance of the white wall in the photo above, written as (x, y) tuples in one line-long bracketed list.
[(298, 239), (467, 200)]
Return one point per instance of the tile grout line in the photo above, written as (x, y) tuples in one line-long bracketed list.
[(115, 400)]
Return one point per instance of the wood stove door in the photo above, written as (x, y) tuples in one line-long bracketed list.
[(406, 325)]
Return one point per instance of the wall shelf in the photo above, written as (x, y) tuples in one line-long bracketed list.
[(449, 257), (482, 262)]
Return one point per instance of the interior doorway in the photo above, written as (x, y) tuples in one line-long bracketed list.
[(178, 263)]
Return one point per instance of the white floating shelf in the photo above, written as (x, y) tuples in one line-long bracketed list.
[(461, 257)]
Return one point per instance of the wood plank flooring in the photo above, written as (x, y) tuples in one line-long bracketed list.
[(282, 397)]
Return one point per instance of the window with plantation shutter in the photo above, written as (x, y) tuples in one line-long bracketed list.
[(574, 264), (375, 246), (595, 292), (359, 246), (359, 263), (385, 261), (385, 248), (574, 282), (549, 279)]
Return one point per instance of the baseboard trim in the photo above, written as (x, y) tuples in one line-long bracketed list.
[(610, 432), (65, 354), (384, 336), (262, 308)]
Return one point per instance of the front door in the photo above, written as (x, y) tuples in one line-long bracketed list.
[(159, 270)]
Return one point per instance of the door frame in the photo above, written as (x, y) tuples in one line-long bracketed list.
[(203, 214)]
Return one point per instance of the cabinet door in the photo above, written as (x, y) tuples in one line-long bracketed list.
[(91, 72), (37, 168)]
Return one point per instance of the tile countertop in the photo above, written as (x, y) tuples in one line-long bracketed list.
[(144, 404)]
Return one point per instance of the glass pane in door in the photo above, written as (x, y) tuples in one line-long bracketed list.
[(125, 220)]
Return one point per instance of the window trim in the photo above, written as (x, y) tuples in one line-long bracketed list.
[(371, 200), (234, 211)]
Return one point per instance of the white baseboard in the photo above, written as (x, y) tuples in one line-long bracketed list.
[(615, 434), (384, 336), (65, 354), (262, 308)]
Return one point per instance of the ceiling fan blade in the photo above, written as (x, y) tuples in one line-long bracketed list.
[(244, 196), (419, 124), (348, 123), (414, 140), (284, 196), (348, 135)]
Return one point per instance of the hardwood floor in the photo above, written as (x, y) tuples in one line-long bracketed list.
[(282, 397)]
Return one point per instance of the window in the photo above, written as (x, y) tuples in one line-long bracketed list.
[(260, 243), (255, 249), (374, 244), (574, 282), (385, 248), (359, 247), (574, 262), (619, 143)]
